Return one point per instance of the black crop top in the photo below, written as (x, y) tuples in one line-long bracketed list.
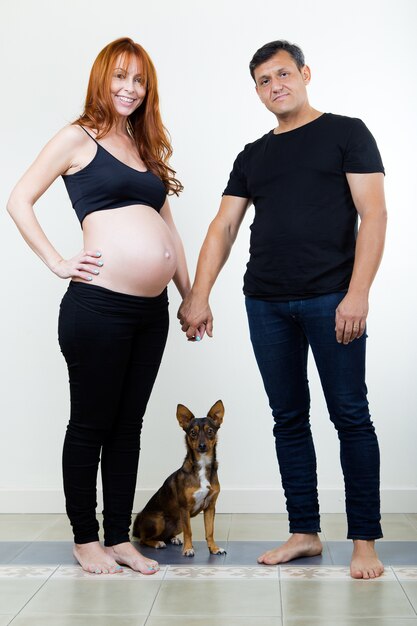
[(107, 183)]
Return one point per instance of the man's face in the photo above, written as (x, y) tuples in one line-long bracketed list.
[(281, 86)]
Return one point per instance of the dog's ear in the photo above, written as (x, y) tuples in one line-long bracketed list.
[(184, 416), (216, 413)]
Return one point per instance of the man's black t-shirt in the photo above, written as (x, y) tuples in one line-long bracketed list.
[(304, 231)]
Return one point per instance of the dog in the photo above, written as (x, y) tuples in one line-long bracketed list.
[(188, 491)]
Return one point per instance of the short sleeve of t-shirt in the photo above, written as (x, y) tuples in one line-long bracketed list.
[(361, 155), (237, 180)]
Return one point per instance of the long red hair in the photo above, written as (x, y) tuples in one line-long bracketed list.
[(145, 123)]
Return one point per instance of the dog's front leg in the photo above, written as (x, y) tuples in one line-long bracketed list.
[(209, 513), (188, 549)]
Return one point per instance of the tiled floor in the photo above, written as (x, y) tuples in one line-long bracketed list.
[(40, 584)]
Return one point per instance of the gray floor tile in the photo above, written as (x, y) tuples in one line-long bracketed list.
[(5, 619), (354, 599), (235, 598), (46, 553), (10, 550), (390, 552), (247, 552), (172, 555)]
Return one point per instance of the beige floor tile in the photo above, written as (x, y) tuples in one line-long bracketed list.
[(331, 599), (345, 621), (412, 517), (14, 593), (334, 526), (213, 621), (60, 530), (22, 527), (395, 526), (258, 598), (398, 527), (259, 527), (93, 596), (57, 619), (410, 588)]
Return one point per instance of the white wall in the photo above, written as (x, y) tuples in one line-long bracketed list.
[(362, 56)]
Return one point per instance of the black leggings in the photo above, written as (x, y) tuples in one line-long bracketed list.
[(113, 345)]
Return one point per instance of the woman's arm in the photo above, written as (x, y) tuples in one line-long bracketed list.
[(55, 159), (181, 277)]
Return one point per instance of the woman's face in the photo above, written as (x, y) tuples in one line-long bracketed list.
[(127, 85)]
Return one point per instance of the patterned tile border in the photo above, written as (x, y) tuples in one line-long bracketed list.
[(329, 573), (225, 572), (182, 572), (26, 571), (75, 572), (405, 573)]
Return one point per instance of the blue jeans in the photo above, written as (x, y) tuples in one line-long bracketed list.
[(281, 335)]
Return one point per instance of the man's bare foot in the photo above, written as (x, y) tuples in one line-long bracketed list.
[(93, 559), (365, 563), (126, 554), (298, 545)]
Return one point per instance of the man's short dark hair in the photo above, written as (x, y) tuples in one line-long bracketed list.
[(270, 49)]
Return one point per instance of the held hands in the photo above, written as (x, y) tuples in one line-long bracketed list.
[(83, 265), (195, 317), (351, 317)]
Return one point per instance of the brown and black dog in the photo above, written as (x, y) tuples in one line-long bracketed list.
[(191, 489)]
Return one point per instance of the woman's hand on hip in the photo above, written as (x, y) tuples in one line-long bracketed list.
[(86, 264)]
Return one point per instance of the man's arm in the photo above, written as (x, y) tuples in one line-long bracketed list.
[(194, 313), (368, 195)]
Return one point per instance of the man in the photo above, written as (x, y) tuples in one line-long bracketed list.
[(306, 286)]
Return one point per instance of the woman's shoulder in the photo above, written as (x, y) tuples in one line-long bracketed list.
[(72, 135)]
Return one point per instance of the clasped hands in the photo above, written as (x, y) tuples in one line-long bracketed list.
[(196, 318)]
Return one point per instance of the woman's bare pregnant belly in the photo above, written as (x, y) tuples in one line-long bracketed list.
[(137, 249)]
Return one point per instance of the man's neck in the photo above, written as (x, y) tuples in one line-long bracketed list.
[(291, 121)]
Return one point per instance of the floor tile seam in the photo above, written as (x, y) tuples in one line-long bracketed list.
[(26, 545), (46, 529), (33, 595), (414, 608), (155, 598), (281, 604)]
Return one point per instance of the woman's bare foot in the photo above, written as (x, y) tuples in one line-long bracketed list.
[(298, 545), (93, 559), (126, 554), (365, 563)]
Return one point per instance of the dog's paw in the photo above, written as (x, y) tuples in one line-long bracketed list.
[(176, 541), (160, 544), (189, 552), (217, 550)]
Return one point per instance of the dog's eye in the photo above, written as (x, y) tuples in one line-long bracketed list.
[(210, 432), (193, 434)]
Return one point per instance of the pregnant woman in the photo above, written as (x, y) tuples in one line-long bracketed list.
[(113, 319)]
